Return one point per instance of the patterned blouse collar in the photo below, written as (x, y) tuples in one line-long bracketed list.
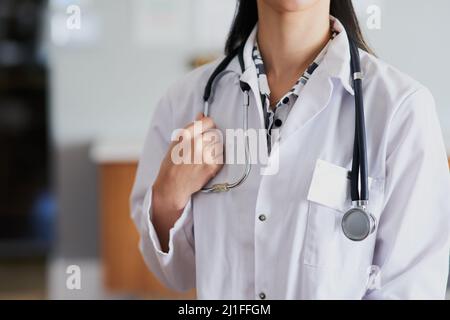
[(262, 76)]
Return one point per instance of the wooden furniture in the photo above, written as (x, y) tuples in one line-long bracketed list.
[(124, 269)]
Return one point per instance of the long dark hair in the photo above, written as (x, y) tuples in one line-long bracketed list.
[(247, 16)]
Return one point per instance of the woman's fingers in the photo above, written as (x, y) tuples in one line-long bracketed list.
[(199, 116), (212, 136), (201, 125), (213, 154)]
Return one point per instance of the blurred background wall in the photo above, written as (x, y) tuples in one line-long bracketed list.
[(106, 76), (412, 39)]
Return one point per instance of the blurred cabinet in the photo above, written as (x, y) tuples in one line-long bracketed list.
[(124, 269)]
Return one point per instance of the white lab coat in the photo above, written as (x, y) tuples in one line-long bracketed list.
[(221, 247)]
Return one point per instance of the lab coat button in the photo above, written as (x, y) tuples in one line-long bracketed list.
[(262, 296), (262, 217)]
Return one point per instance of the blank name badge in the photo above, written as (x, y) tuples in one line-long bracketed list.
[(330, 186)]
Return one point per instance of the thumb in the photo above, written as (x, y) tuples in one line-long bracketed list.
[(199, 116)]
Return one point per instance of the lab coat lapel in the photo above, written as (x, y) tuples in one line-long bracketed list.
[(317, 93), (314, 98)]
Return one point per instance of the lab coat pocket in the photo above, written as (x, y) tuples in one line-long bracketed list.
[(328, 199)]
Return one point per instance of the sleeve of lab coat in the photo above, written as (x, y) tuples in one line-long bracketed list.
[(412, 247), (175, 268)]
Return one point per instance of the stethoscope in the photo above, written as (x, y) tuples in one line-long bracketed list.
[(357, 223)]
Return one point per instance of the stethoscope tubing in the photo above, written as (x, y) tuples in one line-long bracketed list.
[(223, 187), (359, 165), (359, 174)]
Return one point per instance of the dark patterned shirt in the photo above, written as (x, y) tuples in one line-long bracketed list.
[(277, 115)]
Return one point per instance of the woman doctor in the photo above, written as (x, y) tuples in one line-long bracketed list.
[(279, 235)]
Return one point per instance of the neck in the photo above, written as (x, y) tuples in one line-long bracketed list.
[(289, 41)]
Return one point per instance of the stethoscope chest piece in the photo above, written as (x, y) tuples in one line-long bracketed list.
[(358, 223)]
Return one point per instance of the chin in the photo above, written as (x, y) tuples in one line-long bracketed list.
[(290, 5)]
